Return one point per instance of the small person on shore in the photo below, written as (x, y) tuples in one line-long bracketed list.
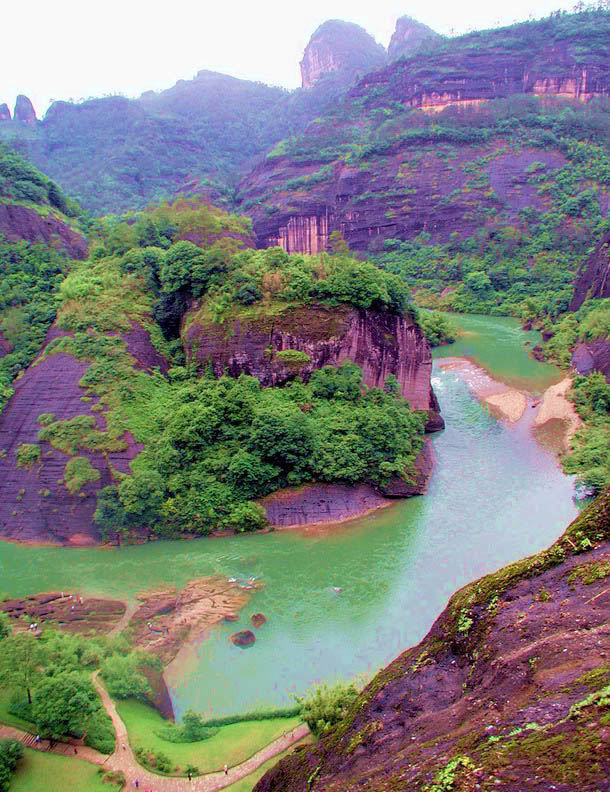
[(226, 769)]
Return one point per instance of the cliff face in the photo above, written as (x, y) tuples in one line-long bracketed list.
[(594, 277), (24, 111), (508, 691), (438, 190), (340, 46), (408, 37), (5, 113), (19, 222), (381, 344), (35, 505)]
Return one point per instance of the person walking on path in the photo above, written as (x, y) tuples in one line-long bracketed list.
[(226, 769)]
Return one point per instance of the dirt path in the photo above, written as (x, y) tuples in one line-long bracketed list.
[(124, 759)]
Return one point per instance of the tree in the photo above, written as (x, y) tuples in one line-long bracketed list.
[(20, 661), (323, 707), (62, 704), (11, 752), (122, 677), (4, 626)]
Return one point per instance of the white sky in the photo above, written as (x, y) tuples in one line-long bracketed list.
[(70, 49)]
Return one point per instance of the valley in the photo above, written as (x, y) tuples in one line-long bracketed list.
[(305, 422)]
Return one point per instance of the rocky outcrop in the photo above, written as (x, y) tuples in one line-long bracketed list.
[(19, 222), (24, 111), (320, 504), (69, 611), (380, 343), (5, 113), (508, 691), (257, 620), (338, 46), (592, 356), (325, 504), (35, 505), (408, 37), (594, 277)]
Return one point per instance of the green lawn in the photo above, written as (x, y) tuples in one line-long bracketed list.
[(233, 744), (6, 717), (43, 772), (246, 784)]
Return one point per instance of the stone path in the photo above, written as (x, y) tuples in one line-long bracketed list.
[(123, 758)]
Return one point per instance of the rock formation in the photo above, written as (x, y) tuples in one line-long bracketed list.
[(408, 37), (340, 46), (5, 113), (243, 639), (24, 111), (592, 356), (19, 222), (257, 620), (380, 343), (34, 503), (594, 277), (508, 691)]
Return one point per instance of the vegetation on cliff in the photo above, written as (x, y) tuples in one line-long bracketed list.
[(211, 446), (30, 274)]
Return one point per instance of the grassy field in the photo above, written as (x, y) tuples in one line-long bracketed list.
[(6, 717), (233, 744), (246, 784), (42, 772)]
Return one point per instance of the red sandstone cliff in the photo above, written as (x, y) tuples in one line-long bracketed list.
[(34, 504), (594, 277), (19, 222), (5, 113), (338, 46), (24, 111), (380, 343)]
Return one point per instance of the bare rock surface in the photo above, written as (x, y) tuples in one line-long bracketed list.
[(24, 111), (243, 639), (19, 222), (68, 611)]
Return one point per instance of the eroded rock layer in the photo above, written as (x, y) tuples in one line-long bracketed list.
[(19, 222), (380, 343), (508, 691)]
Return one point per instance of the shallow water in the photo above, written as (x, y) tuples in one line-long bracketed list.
[(495, 496)]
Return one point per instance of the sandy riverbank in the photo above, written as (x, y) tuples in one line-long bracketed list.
[(504, 402), (556, 406)]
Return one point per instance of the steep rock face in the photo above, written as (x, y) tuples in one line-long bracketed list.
[(592, 356), (506, 66), (381, 344), (19, 222), (340, 46), (397, 196), (24, 111), (508, 691), (34, 503), (408, 37), (5, 113), (594, 277)]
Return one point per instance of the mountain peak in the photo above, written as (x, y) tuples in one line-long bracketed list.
[(338, 46), (24, 111), (408, 37)]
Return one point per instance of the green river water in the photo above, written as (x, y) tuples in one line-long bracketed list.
[(495, 496)]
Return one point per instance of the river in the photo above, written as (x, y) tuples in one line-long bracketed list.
[(495, 496)]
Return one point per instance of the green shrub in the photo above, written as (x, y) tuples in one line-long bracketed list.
[(78, 472), (28, 455)]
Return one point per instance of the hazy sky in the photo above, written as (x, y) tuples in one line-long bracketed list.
[(80, 48)]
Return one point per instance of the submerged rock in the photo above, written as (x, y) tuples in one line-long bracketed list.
[(258, 619)]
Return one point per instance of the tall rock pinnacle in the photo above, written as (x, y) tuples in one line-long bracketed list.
[(24, 111), (5, 113), (338, 46), (409, 36)]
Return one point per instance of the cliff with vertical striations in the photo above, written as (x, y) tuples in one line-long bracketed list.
[(24, 111), (380, 343)]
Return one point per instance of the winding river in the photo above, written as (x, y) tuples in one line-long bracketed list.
[(495, 496)]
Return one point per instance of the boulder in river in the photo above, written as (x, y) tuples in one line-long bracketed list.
[(243, 638), (258, 619)]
